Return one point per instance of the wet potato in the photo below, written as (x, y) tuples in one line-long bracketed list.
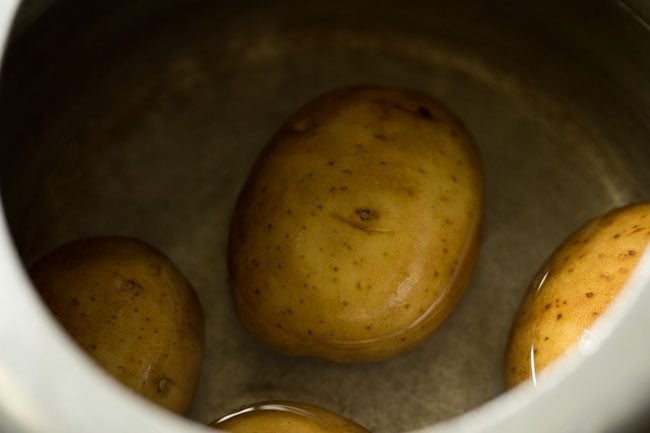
[(358, 227), (282, 416), (131, 309), (576, 285)]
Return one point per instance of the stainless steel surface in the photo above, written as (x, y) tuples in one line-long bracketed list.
[(144, 120)]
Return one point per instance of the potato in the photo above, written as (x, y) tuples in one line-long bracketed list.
[(358, 226), (575, 286), (131, 309), (282, 417)]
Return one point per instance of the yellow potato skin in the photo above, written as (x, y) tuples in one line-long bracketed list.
[(576, 285), (358, 227), (283, 417), (131, 309)]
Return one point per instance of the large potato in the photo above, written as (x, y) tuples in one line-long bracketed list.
[(283, 417), (576, 285), (358, 227), (132, 310)]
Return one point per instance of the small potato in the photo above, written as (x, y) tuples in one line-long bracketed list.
[(132, 310), (576, 285), (283, 417), (358, 227)]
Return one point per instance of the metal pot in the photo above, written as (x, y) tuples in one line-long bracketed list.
[(143, 118)]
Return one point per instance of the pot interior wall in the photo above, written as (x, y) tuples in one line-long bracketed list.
[(144, 118)]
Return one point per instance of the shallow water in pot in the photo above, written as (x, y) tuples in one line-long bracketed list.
[(156, 143)]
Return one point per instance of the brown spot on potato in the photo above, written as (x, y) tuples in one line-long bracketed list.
[(589, 294), (130, 284), (559, 316), (425, 113), (164, 386), (366, 214)]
